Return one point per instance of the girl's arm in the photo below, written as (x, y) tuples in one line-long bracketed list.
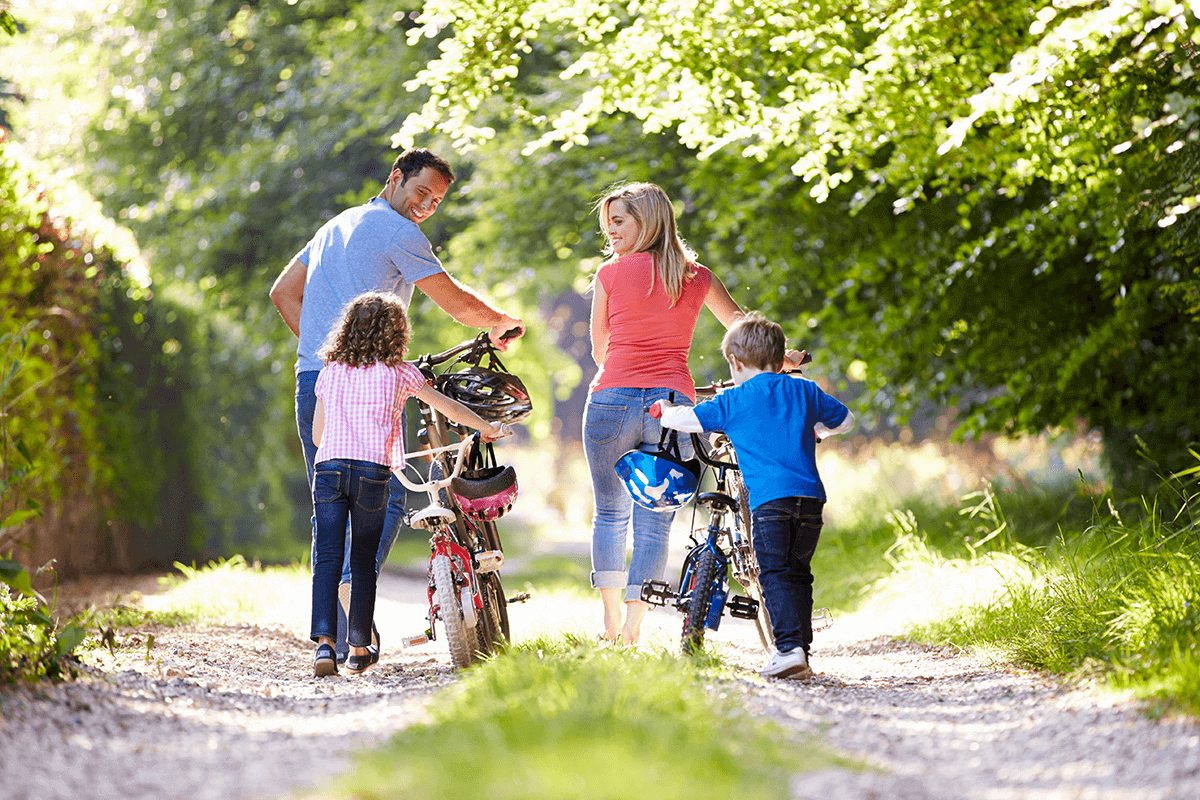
[(599, 323), (318, 430), (461, 414), (723, 307)]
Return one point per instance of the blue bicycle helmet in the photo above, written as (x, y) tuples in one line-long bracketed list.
[(660, 480)]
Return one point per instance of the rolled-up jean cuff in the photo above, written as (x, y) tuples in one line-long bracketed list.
[(609, 579)]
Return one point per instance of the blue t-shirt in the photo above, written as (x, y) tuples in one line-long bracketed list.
[(770, 420), (368, 248)]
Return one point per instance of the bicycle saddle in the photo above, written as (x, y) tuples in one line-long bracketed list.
[(714, 499), (431, 518)]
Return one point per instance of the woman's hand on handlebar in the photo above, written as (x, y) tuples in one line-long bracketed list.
[(505, 332), (794, 359)]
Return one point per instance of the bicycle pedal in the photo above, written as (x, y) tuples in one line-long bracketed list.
[(415, 641), (518, 598), (489, 561), (742, 607), (657, 593)]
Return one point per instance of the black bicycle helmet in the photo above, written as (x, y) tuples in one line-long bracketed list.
[(495, 396)]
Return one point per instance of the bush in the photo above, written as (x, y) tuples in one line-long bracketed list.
[(32, 645)]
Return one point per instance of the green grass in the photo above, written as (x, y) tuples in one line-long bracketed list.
[(1061, 581), (550, 573), (561, 719)]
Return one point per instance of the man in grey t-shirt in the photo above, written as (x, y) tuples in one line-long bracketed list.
[(374, 247)]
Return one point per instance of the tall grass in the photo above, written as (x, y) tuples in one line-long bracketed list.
[(1118, 600), (561, 719)]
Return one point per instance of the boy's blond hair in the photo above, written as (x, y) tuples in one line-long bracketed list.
[(755, 341)]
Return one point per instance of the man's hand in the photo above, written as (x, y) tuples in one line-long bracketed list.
[(505, 332)]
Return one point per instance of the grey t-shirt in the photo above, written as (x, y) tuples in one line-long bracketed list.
[(368, 248)]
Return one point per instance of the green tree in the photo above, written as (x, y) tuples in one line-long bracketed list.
[(988, 205)]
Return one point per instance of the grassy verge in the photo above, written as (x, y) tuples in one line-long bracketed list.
[(565, 719), (1065, 582)]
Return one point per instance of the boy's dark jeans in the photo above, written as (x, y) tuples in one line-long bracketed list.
[(785, 537), (355, 490)]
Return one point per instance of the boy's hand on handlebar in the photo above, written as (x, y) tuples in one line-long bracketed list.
[(505, 332)]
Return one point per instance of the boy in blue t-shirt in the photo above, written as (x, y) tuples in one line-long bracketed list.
[(774, 422)]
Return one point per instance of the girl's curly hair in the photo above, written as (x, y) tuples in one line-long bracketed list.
[(374, 327)]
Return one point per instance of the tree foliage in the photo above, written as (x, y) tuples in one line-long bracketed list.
[(989, 205)]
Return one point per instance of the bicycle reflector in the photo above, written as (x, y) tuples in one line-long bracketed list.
[(659, 480)]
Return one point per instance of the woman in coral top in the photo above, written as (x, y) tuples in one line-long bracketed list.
[(645, 304)]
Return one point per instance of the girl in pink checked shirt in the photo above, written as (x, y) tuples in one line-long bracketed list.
[(360, 393)]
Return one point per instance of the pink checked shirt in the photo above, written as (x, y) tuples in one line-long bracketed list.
[(362, 411)]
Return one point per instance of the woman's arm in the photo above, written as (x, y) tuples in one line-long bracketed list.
[(599, 323), (723, 307)]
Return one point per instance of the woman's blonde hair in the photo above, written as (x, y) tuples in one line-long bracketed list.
[(650, 206), (373, 327)]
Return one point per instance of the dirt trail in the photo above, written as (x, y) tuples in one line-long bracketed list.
[(233, 712)]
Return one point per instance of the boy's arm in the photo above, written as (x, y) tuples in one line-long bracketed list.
[(680, 418), (846, 424)]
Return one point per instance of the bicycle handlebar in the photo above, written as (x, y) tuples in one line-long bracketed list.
[(432, 486), (702, 454)]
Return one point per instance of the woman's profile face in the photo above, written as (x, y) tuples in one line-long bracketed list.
[(622, 229)]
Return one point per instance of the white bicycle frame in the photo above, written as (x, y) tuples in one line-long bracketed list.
[(435, 515)]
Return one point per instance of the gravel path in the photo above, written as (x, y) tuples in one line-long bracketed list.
[(232, 712)]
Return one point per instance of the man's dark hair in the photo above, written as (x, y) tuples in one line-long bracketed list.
[(415, 159)]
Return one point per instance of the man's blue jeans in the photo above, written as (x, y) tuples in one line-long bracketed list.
[(354, 492), (616, 421), (306, 403), (785, 537)]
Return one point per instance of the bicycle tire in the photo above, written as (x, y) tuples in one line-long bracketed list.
[(704, 574), (460, 638), (749, 580), (493, 622)]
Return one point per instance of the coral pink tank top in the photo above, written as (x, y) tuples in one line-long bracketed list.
[(649, 339)]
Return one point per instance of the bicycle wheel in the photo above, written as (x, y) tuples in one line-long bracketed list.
[(460, 638), (704, 574), (493, 622), (748, 574)]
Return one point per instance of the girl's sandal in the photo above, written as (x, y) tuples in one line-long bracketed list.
[(325, 663), (357, 665)]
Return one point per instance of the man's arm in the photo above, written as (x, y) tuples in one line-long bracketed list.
[(467, 308), (287, 293)]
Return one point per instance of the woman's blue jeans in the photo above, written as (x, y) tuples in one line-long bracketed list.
[(786, 532), (616, 421), (346, 490)]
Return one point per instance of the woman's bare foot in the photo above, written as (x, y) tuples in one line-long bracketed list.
[(635, 612), (612, 614)]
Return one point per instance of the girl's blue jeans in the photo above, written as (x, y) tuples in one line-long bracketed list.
[(616, 421), (355, 491), (306, 403)]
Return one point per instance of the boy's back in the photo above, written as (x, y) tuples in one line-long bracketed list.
[(770, 419)]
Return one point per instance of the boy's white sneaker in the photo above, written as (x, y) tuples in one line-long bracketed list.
[(792, 664)]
